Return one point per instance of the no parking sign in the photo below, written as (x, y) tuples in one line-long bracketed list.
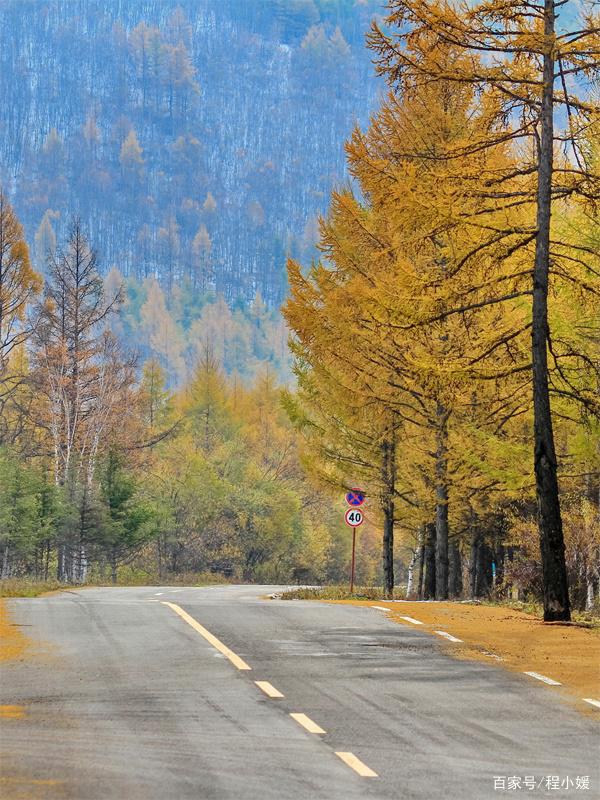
[(355, 497)]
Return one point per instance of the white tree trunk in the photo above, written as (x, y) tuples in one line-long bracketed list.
[(589, 600), (411, 570)]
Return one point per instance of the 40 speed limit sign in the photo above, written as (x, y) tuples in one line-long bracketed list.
[(354, 517)]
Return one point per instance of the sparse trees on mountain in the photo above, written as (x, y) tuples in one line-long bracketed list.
[(45, 238)]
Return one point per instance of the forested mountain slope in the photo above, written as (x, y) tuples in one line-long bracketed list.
[(196, 139)]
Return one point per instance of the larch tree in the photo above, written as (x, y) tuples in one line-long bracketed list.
[(45, 237), (161, 332), (350, 432), (202, 268), (82, 382), (19, 285), (131, 155), (153, 396), (412, 259), (526, 67), (210, 204)]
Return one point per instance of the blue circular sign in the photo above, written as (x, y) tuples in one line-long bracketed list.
[(355, 497)]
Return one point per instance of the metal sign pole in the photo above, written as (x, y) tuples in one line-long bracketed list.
[(352, 568), (354, 518)]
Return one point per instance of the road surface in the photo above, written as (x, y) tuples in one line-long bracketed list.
[(123, 696)]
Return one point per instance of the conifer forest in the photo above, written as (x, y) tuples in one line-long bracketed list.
[(256, 254)]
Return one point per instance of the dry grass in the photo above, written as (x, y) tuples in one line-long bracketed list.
[(22, 587), (339, 593)]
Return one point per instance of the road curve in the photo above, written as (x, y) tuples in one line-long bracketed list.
[(133, 694)]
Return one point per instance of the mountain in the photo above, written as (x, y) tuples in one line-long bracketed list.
[(197, 140)]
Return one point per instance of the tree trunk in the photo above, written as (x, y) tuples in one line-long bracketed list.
[(429, 588), (589, 596), (421, 572), (113, 565), (388, 474), (5, 563), (411, 572), (159, 560), (455, 571), (64, 566), (388, 550), (484, 570), (474, 563), (441, 510), (47, 560), (554, 571)]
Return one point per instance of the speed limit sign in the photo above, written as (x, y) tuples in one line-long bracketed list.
[(354, 517)]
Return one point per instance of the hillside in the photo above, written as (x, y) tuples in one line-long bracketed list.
[(197, 140)]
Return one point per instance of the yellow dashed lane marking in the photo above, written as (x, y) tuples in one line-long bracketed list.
[(216, 643), (12, 712), (307, 723), (357, 765), (268, 688)]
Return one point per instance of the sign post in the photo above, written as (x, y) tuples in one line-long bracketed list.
[(352, 567), (354, 517)]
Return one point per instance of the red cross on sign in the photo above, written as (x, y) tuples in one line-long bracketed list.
[(355, 497)]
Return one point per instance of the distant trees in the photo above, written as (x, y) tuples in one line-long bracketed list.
[(202, 270), (160, 333), (131, 154), (165, 69), (45, 237), (230, 483), (176, 331), (71, 415), (108, 470), (130, 521)]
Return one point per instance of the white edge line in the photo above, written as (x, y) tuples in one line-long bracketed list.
[(543, 678), (592, 702), (412, 620), (380, 608), (448, 636)]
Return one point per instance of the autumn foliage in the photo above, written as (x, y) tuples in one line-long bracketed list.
[(457, 297)]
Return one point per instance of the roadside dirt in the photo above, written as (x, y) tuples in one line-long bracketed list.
[(12, 641), (511, 639)]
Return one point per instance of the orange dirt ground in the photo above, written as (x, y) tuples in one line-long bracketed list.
[(567, 653), (12, 640)]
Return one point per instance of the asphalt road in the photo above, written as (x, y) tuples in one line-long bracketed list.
[(121, 696)]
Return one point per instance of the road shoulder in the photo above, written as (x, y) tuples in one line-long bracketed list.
[(568, 654)]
